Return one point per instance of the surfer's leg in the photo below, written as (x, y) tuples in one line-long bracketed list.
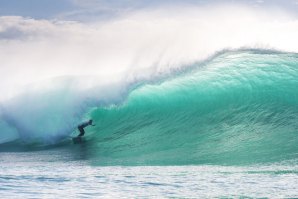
[(82, 132)]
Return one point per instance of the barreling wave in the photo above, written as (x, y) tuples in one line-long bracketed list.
[(239, 107)]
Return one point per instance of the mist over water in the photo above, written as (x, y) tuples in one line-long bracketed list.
[(140, 45), (157, 82)]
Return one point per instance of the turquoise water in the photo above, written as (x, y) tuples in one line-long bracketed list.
[(226, 127), (238, 108)]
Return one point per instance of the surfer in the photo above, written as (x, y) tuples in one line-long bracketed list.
[(83, 125)]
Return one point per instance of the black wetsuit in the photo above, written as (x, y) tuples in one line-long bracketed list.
[(81, 128)]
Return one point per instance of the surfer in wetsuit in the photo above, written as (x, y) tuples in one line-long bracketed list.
[(83, 125)]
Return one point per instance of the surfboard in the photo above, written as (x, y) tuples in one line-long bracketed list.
[(77, 140)]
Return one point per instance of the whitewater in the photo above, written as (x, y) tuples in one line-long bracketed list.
[(183, 104)]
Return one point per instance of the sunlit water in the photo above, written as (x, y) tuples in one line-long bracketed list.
[(57, 174)]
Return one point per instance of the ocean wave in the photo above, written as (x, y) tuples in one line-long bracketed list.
[(240, 107), (236, 107)]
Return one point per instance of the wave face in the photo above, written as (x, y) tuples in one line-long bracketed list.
[(238, 108)]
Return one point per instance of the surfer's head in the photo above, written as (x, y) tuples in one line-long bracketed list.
[(90, 121)]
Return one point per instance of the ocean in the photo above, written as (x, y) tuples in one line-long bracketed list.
[(220, 128)]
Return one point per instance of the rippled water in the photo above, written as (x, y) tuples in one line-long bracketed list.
[(54, 174)]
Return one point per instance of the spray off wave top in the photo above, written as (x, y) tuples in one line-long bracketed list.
[(55, 72)]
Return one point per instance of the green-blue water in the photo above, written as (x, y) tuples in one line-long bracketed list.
[(238, 108)]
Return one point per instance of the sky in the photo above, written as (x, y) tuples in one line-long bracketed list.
[(84, 10)]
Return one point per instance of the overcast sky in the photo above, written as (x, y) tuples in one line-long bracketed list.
[(101, 9)]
